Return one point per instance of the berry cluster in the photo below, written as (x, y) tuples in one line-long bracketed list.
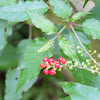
[(52, 64)]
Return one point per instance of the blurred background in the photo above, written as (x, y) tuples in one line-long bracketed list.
[(45, 87)]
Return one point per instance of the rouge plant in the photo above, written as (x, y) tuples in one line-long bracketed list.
[(39, 53)]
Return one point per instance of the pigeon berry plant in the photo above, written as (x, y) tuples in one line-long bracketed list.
[(50, 46)]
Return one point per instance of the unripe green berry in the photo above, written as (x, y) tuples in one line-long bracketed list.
[(94, 51), (81, 48), (92, 67), (78, 47), (89, 51), (82, 54), (79, 51), (97, 69), (88, 63), (87, 60)]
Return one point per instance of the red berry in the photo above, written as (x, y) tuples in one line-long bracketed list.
[(64, 61), (42, 65), (55, 61), (60, 59), (46, 72), (52, 72), (51, 60), (57, 65), (45, 59)]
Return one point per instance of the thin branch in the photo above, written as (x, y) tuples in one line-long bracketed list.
[(76, 24), (58, 33), (94, 71), (81, 43), (73, 66), (62, 29), (50, 8), (30, 30)]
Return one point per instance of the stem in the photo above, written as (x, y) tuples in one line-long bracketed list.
[(84, 68), (81, 42), (73, 66), (76, 24), (50, 8), (59, 32), (30, 30)]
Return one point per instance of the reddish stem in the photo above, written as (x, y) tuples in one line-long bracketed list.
[(76, 24), (80, 41)]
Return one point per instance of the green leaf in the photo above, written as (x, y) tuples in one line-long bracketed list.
[(61, 8), (5, 31), (86, 1), (42, 22), (78, 91), (83, 76), (65, 98), (67, 49), (32, 60), (92, 27), (2, 38), (96, 81), (79, 15), (21, 48), (17, 11), (8, 58), (66, 19), (86, 77), (6, 2), (12, 78)]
